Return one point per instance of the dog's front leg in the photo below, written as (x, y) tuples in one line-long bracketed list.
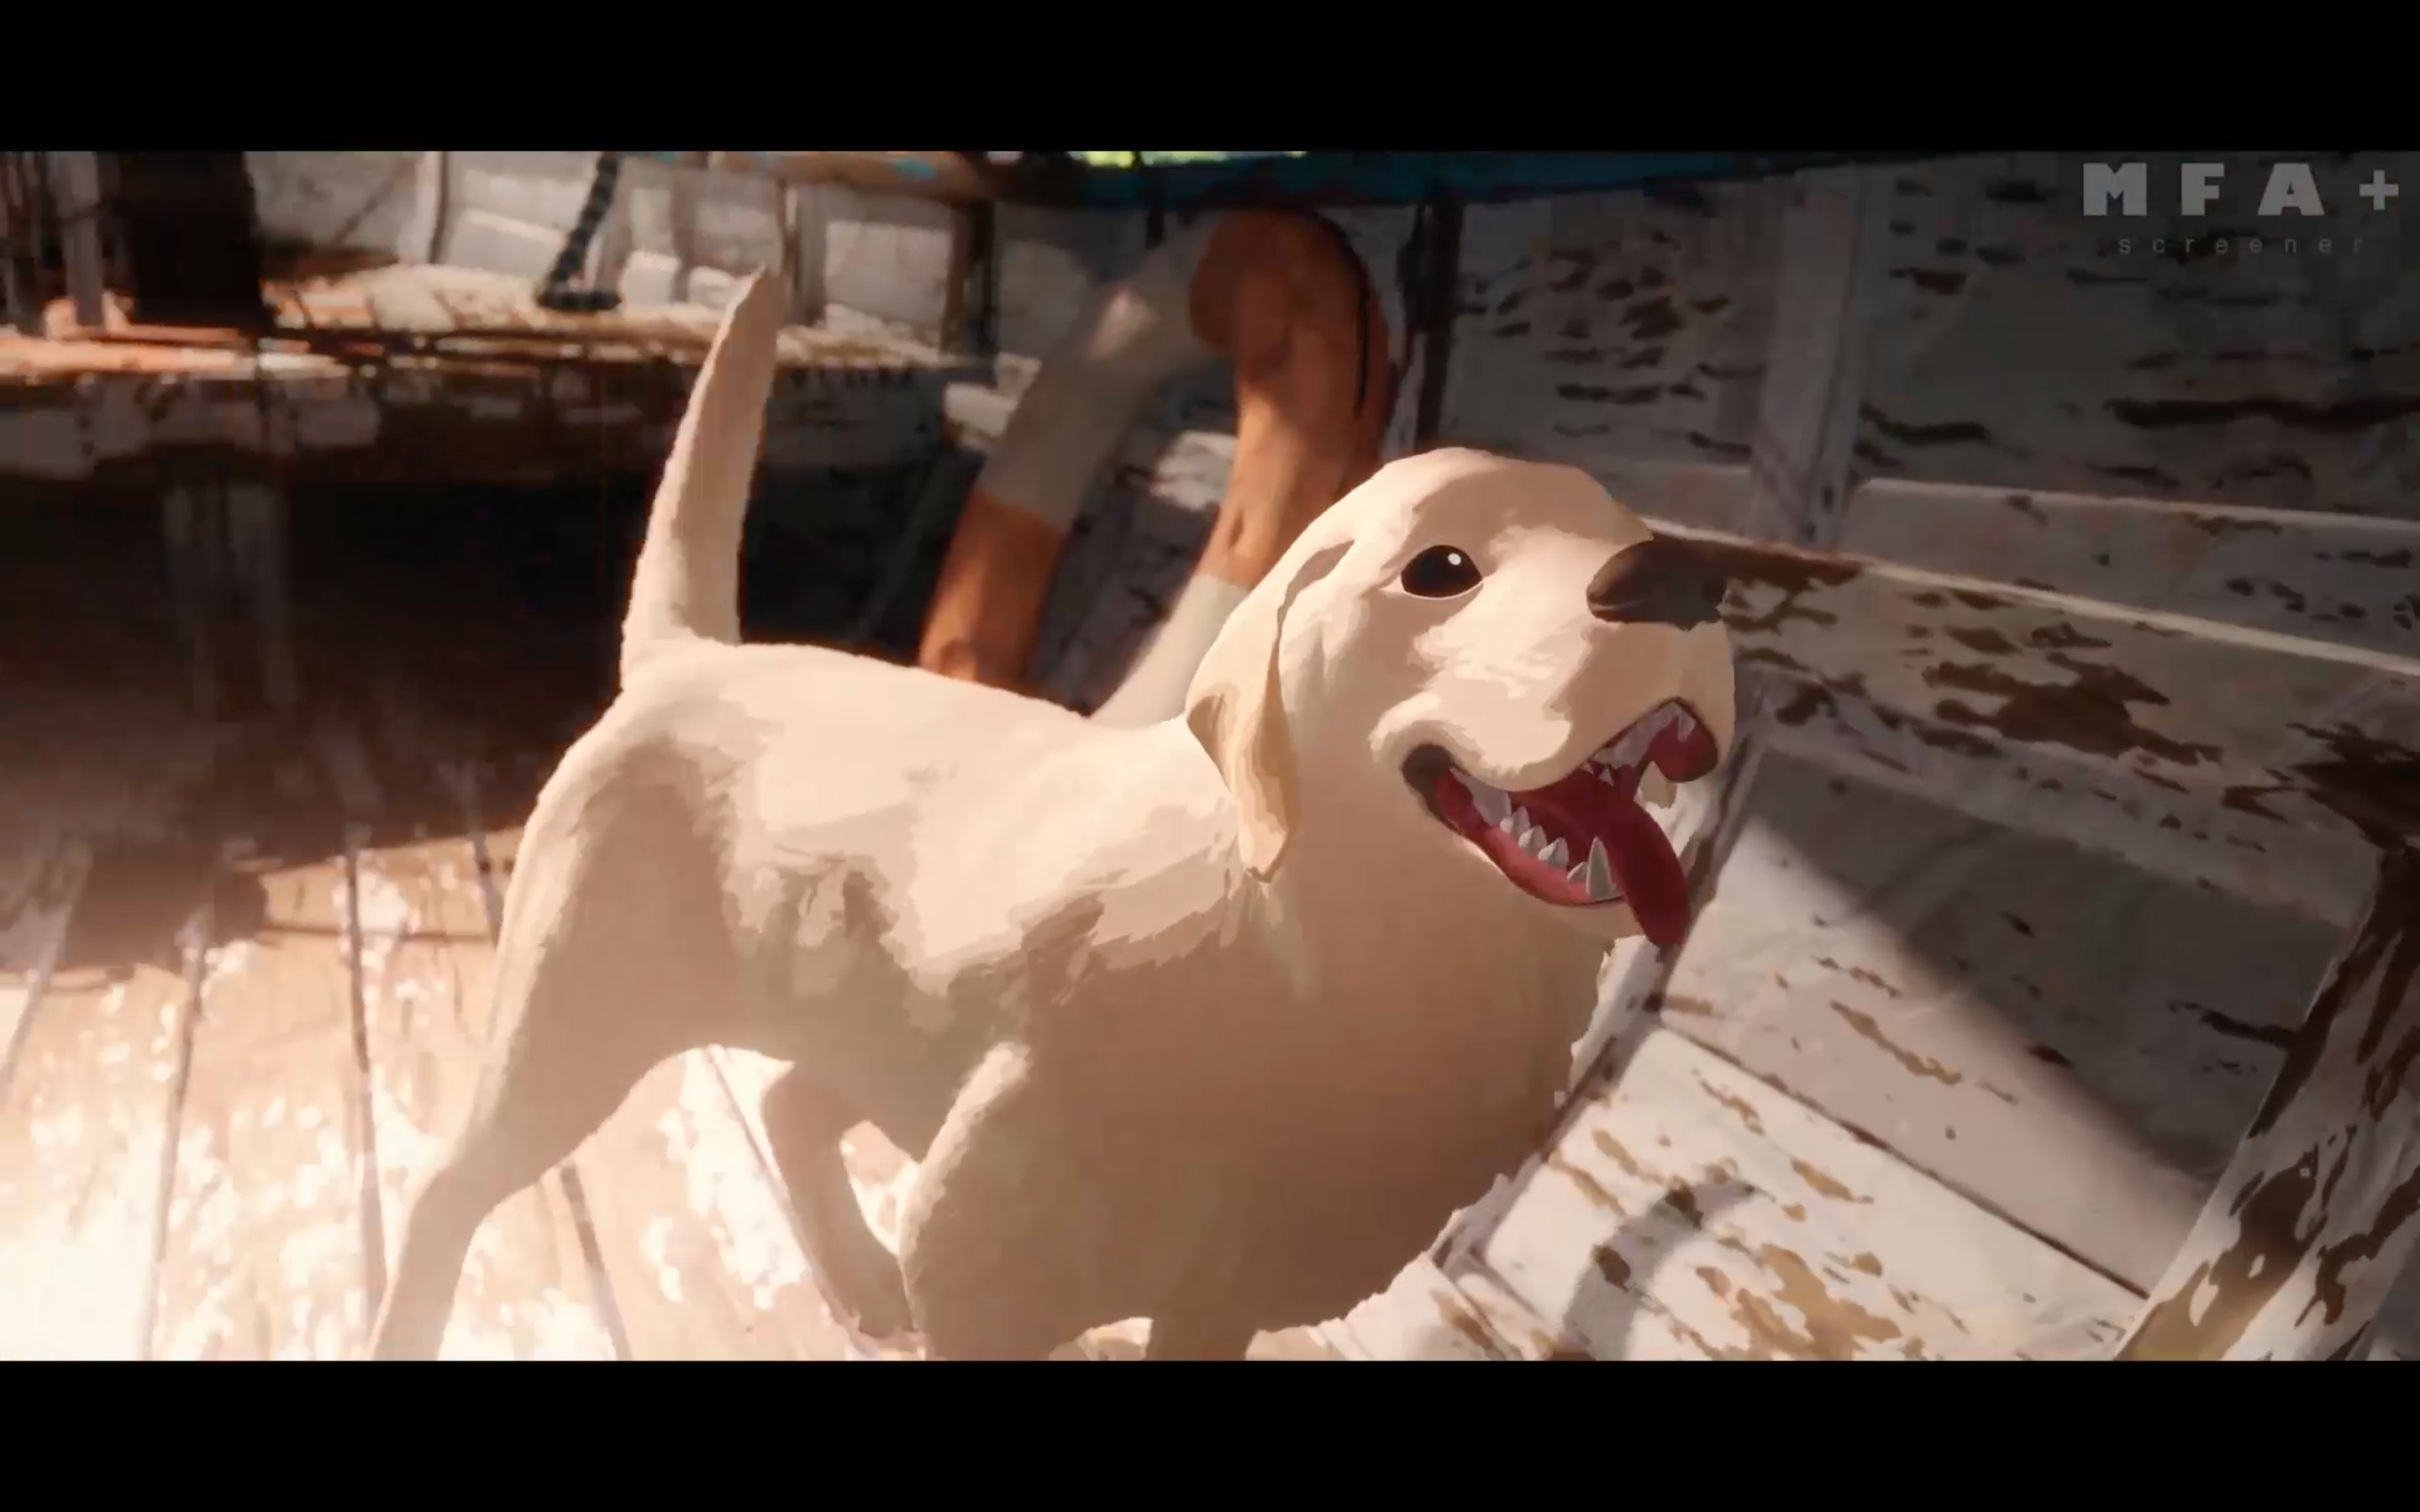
[(803, 1121), (1001, 1245)]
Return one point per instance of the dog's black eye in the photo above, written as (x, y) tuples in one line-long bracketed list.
[(1440, 572)]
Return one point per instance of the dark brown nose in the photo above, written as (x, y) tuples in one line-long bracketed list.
[(1659, 581)]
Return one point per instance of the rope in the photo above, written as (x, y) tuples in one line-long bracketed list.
[(559, 292)]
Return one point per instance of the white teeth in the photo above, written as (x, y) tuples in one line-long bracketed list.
[(1494, 807), (1655, 788), (1558, 854), (1520, 822), (1532, 839), (1633, 742), (1507, 826), (1682, 721), (1599, 874), (1577, 876)]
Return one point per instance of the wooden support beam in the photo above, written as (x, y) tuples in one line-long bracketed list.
[(806, 235), (21, 295), (970, 295), (258, 523), (75, 189), (424, 234), (2317, 1214), (683, 200), (1429, 360), (609, 254), (193, 526)]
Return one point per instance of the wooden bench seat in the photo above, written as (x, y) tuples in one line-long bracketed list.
[(438, 375)]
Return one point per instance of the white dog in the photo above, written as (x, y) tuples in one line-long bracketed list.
[(1215, 1021)]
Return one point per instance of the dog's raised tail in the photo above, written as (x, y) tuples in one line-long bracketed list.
[(686, 587)]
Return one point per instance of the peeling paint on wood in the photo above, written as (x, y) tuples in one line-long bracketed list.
[(887, 255), (361, 199), (1691, 1212), (2309, 734), (2345, 580), (2194, 837), (1420, 1316), (2316, 1215), (2043, 352), (1635, 322), (2339, 578), (1957, 990)]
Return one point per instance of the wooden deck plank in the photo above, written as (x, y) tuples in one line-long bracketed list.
[(1962, 992), (41, 875), (1691, 1210), (268, 1253), (2311, 735), (2203, 840), (88, 1110), (2339, 578), (1420, 1316)]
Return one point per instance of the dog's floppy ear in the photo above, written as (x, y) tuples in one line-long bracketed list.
[(1234, 710)]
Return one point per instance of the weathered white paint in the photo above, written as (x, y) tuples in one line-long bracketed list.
[(2054, 356), (2347, 580), (1421, 1316), (1956, 989), (2194, 836), (888, 257), (2308, 733), (2316, 1214), (1689, 1210), (1640, 324), (358, 201)]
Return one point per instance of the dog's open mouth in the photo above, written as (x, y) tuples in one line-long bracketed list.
[(1584, 840)]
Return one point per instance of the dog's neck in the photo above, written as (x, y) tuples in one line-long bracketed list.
[(1342, 925)]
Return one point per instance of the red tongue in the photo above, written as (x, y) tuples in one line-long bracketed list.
[(1648, 871), (1643, 864)]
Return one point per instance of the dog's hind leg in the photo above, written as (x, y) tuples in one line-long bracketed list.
[(804, 1122), (552, 1082)]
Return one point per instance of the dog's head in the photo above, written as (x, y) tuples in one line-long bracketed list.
[(1486, 662)]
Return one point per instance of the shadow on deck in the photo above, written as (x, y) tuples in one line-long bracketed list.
[(243, 972)]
